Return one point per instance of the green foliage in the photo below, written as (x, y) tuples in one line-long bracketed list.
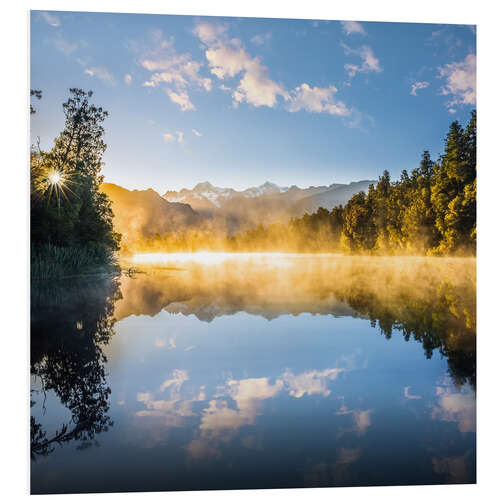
[(453, 193), (433, 210), (359, 230), (67, 208)]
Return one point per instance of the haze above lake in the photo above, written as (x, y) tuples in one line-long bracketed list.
[(255, 371)]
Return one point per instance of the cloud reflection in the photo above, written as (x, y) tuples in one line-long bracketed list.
[(455, 405), (234, 405)]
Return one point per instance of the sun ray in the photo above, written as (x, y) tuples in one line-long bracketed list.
[(55, 181)]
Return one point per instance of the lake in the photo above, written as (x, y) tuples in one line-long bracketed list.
[(216, 371)]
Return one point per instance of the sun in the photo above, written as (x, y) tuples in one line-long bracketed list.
[(55, 177), (55, 181)]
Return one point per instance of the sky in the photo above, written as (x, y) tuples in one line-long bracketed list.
[(241, 101)]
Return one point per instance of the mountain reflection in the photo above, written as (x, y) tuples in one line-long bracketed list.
[(70, 323), (292, 401), (430, 300)]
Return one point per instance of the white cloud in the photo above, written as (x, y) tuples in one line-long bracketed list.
[(410, 396), (169, 137), (64, 46), (417, 86), (350, 27), (255, 86), (261, 38), (51, 19), (208, 32), (174, 72), (369, 63), (127, 79), (178, 70), (178, 378), (102, 73), (181, 99), (316, 100), (228, 59), (460, 82), (195, 132)]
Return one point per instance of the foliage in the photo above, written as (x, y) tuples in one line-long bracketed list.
[(38, 95), (67, 208), (430, 211), (433, 210)]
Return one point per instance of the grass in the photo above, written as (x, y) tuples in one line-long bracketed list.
[(53, 262)]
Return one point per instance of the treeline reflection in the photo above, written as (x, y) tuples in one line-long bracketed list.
[(70, 324), (431, 300)]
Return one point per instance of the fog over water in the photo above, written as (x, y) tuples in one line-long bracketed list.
[(251, 371)]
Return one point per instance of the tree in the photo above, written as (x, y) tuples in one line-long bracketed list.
[(38, 95), (359, 232), (453, 193), (68, 208), (418, 222)]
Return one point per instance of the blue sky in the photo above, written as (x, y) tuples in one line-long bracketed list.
[(241, 101)]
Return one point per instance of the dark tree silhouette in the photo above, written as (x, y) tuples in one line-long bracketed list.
[(69, 327)]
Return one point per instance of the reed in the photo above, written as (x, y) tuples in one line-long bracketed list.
[(52, 262)]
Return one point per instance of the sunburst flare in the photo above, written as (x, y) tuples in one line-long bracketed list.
[(55, 181)]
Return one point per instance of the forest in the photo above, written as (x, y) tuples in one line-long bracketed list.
[(430, 211)]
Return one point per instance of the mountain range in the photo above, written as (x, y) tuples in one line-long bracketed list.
[(264, 204), (142, 214)]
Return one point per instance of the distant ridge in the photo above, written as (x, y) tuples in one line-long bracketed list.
[(266, 203), (142, 214), (338, 194)]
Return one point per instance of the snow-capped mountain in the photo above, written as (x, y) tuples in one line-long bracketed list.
[(204, 196), (266, 188), (142, 214), (264, 204)]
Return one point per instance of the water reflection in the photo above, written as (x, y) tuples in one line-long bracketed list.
[(70, 324), (257, 374), (430, 300)]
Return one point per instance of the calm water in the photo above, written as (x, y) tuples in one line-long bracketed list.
[(256, 373)]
